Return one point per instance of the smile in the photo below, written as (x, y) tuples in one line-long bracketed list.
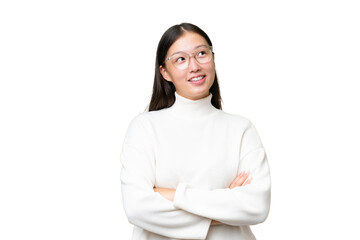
[(198, 80), (195, 79)]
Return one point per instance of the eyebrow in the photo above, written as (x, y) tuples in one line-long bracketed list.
[(202, 45)]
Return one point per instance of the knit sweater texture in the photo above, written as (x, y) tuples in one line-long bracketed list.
[(198, 150)]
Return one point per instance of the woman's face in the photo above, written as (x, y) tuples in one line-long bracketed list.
[(189, 43)]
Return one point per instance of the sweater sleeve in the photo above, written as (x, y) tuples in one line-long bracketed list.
[(245, 205), (144, 207)]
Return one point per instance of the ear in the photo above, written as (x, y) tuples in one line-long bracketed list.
[(165, 74)]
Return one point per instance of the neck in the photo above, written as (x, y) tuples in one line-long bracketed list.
[(192, 109)]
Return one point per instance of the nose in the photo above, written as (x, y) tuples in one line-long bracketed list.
[(193, 64)]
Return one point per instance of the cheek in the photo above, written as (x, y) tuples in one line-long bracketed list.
[(179, 77), (210, 67), (211, 70), (174, 75)]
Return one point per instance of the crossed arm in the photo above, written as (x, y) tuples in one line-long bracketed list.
[(185, 215), (241, 180)]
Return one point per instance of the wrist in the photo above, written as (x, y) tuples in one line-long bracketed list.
[(214, 222)]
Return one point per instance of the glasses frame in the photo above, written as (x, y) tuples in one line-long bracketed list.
[(193, 54)]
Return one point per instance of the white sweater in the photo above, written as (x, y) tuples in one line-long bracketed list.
[(198, 150)]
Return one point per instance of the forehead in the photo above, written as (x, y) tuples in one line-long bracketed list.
[(187, 42)]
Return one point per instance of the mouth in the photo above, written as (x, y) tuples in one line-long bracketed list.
[(197, 78)]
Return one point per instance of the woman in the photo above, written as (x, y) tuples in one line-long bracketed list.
[(190, 170)]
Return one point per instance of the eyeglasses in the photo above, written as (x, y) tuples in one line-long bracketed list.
[(181, 60)]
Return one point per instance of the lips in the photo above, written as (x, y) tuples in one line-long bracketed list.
[(197, 78)]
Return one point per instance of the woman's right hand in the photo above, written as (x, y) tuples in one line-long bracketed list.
[(241, 180)]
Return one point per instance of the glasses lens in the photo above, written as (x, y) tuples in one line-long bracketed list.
[(181, 60), (203, 55)]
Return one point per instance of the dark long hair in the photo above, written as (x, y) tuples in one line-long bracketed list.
[(163, 95)]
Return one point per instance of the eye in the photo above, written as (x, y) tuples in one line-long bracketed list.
[(179, 59), (202, 53)]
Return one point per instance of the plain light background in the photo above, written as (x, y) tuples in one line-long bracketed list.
[(74, 73)]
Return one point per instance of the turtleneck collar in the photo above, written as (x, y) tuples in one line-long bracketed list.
[(192, 109)]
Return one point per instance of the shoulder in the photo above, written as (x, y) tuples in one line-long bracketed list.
[(139, 120), (147, 119), (235, 119), (139, 128), (152, 116)]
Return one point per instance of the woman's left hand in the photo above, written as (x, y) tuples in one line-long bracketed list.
[(241, 180), (166, 193)]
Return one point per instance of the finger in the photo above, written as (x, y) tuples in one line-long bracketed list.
[(242, 179), (237, 179), (160, 189), (248, 181), (233, 184)]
